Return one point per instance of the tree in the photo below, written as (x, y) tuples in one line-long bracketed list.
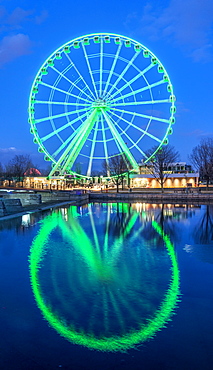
[(1, 170), (8, 173), (117, 167), (202, 159), (18, 165), (160, 162), (1, 173)]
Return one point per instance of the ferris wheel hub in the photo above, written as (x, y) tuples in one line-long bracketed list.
[(100, 104)]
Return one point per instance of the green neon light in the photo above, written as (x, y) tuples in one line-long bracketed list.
[(144, 89), (116, 342), (79, 140), (134, 143), (86, 89), (119, 139), (142, 115), (141, 73), (123, 72), (139, 129)]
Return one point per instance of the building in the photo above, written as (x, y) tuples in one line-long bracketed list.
[(178, 175)]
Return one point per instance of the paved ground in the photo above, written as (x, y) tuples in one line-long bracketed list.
[(35, 208)]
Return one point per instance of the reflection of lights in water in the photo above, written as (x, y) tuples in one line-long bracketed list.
[(64, 212), (188, 248), (139, 206), (203, 252), (167, 212), (104, 295), (25, 220)]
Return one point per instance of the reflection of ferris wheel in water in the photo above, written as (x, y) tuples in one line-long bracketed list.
[(98, 96)]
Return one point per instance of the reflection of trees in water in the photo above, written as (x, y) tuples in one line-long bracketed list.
[(11, 224), (167, 225), (203, 233), (169, 219), (22, 223), (119, 219)]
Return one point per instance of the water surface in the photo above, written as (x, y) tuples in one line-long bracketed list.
[(111, 286)]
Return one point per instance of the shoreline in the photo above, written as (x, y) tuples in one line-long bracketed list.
[(148, 197)]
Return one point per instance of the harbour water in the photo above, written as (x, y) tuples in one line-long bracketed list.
[(108, 286)]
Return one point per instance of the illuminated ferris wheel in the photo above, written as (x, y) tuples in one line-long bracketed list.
[(99, 96)]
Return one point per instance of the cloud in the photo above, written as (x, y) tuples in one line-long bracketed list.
[(18, 16), (13, 44), (203, 53), (15, 19), (42, 17), (198, 133), (12, 149), (185, 23), (12, 47), (181, 108)]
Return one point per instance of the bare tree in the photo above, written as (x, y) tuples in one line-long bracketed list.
[(160, 162), (117, 167), (1, 170), (18, 165), (1, 174), (8, 173), (202, 159)]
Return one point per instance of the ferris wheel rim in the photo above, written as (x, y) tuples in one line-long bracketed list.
[(86, 104)]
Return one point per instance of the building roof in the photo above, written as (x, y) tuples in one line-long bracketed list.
[(171, 175)]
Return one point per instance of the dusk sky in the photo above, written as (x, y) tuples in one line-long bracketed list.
[(179, 33)]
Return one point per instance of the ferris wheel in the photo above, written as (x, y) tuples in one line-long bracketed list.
[(99, 96)]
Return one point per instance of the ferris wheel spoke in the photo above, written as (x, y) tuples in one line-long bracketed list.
[(142, 102), (79, 140), (92, 149), (90, 70), (80, 75), (104, 141), (71, 82), (138, 128), (120, 141), (61, 103), (101, 66), (65, 114), (142, 115), (148, 87), (66, 142), (71, 152), (135, 143), (124, 71), (112, 69), (133, 80), (64, 92), (69, 124)]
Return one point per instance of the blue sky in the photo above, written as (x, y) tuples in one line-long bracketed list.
[(180, 33)]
